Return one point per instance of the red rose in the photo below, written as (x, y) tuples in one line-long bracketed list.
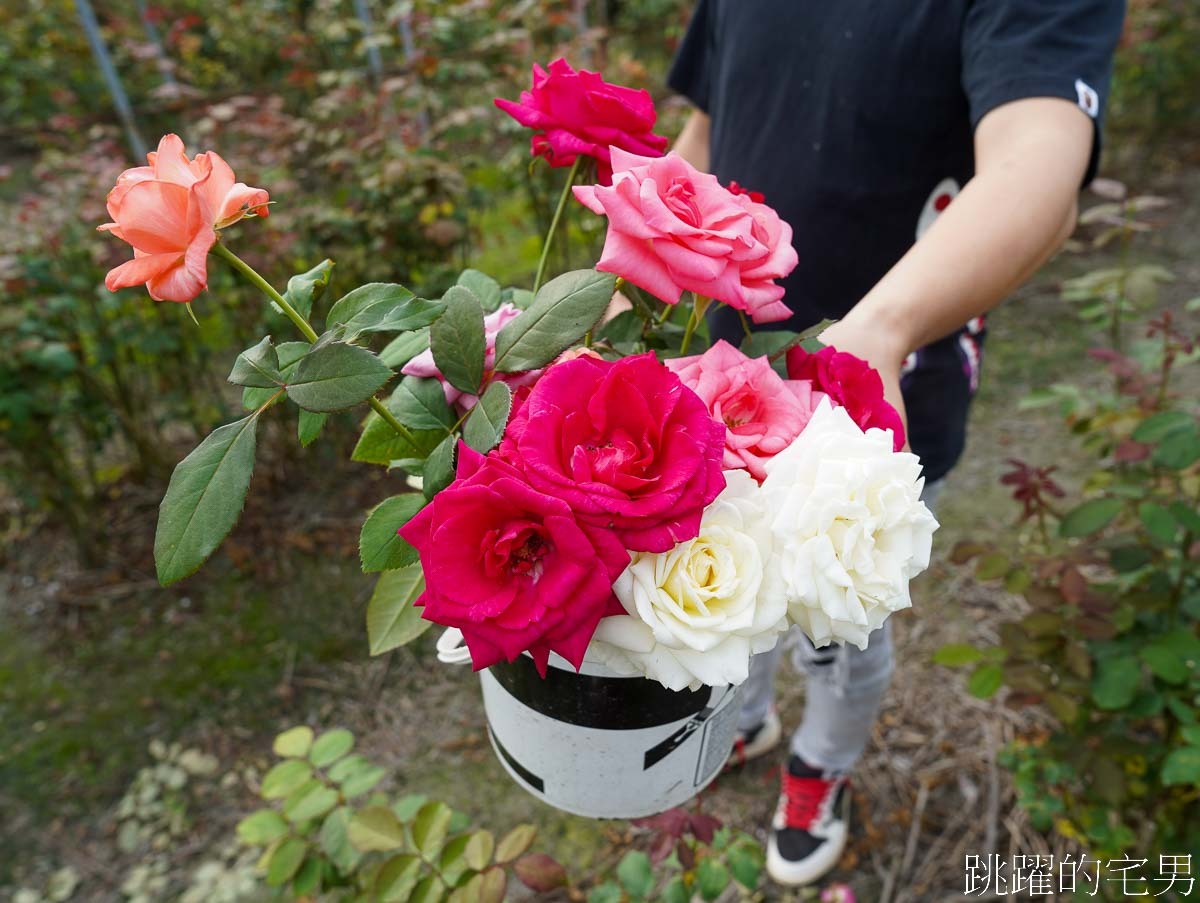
[(850, 382), (577, 113), (511, 567)]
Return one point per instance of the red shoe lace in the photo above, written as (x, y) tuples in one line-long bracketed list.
[(803, 798)]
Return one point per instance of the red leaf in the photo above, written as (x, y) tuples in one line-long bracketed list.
[(540, 872), (687, 856), (1128, 450), (1072, 586), (704, 826)]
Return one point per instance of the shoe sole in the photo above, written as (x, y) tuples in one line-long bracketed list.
[(768, 738), (813, 869)]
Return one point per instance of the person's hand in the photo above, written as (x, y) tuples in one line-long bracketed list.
[(883, 352)]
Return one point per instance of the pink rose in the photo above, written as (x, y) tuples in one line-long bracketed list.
[(673, 228), (851, 383), (580, 113), (762, 412), (625, 444), (511, 567), (169, 212), (423, 365)]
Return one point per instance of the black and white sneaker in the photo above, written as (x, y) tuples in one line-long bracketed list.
[(809, 830), (758, 741)]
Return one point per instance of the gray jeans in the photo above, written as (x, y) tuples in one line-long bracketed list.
[(844, 692)]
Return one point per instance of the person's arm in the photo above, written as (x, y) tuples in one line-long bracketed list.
[(693, 142), (1030, 158)]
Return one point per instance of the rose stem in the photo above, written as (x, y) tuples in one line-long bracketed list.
[(562, 204), (305, 329)]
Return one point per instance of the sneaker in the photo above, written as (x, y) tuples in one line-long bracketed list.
[(809, 830), (755, 742)]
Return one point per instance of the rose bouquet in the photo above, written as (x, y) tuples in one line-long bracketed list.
[(591, 485)]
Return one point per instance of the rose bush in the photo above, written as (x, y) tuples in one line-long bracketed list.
[(672, 228), (850, 530)]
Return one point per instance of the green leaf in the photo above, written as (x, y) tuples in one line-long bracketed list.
[(515, 842), (294, 743), (767, 343), (204, 498), (285, 861), (711, 878), (420, 404), (308, 427), (458, 341), (1158, 521), (404, 347), (305, 288), (429, 828), (284, 778), (484, 287), (1159, 426), (438, 472), (985, 681), (1182, 766), (624, 328), (1116, 682), (397, 877), (380, 547), (392, 619), (635, 873), (362, 780), (992, 567), (484, 427), (310, 800), (336, 376), (257, 367), (1179, 449), (430, 890), (453, 864), (1187, 516), (288, 354), (1191, 733), (333, 838), (520, 298), (955, 655), (1090, 517), (262, 827), (380, 444), (1165, 663), (407, 807), (563, 311), (675, 891), (746, 863), (479, 849), (370, 302), (608, 892), (375, 829), (331, 746), (307, 878)]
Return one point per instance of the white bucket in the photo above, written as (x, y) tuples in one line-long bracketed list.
[(605, 746)]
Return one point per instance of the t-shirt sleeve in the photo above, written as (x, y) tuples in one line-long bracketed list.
[(1014, 49), (691, 73)]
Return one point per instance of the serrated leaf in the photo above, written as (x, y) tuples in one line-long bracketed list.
[(746, 864), (204, 499), (288, 355), (392, 619), (767, 343), (429, 828), (397, 877), (675, 891), (371, 302), (458, 342), (306, 878), (305, 288), (407, 807), (985, 681), (294, 743), (562, 312), (1090, 517), (1165, 663), (1116, 682), (635, 873), (420, 404), (362, 781), (308, 427), (484, 427), (711, 878), (308, 801), (429, 890), (1158, 426), (515, 842), (331, 746), (1182, 766), (257, 367), (955, 655), (336, 376), (625, 327), (375, 829), (262, 827), (284, 778), (1179, 449), (380, 547), (479, 849), (404, 347), (484, 287), (380, 444), (438, 472), (285, 861), (333, 838), (452, 864), (1158, 521)]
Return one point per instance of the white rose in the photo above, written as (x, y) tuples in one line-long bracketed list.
[(699, 611), (849, 527)]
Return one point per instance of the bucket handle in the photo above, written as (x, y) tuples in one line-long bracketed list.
[(450, 648)]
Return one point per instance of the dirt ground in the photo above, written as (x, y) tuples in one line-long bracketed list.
[(94, 668)]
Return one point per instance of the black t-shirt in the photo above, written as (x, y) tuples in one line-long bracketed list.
[(855, 120)]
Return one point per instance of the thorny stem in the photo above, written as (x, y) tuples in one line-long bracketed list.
[(558, 212), (305, 328)]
